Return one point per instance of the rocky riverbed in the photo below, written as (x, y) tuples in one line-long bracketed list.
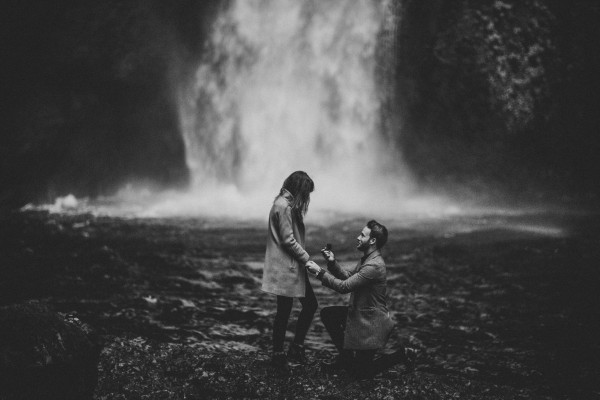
[(498, 306)]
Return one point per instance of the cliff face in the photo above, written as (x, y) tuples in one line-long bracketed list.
[(88, 94), (500, 91)]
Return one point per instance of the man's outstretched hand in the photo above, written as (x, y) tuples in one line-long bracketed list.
[(328, 255)]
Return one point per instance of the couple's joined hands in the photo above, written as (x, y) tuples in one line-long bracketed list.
[(313, 267)]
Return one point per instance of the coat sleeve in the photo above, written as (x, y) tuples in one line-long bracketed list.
[(366, 276), (286, 234), (336, 270)]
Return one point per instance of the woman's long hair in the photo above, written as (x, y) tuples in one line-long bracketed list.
[(300, 186)]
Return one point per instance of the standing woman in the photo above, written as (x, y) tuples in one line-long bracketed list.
[(285, 274)]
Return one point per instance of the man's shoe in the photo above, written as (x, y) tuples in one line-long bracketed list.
[(296, 354), (279, 360), (405, 355)]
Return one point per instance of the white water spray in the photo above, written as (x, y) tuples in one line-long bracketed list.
[(291, 85)]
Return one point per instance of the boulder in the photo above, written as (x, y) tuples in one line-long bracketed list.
[(46, 355)]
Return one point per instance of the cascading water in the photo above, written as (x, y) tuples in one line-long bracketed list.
[(291, 85)]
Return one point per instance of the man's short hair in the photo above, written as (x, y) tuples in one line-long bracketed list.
[(379, 232)]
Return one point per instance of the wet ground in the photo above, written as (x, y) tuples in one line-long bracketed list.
[(505, 304)]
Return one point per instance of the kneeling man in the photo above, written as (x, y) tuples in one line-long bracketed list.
[(363, 327)]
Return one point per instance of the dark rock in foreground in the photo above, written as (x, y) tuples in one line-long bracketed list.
[(45, 355)]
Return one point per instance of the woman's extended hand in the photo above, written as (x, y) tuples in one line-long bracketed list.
[(313, 267)]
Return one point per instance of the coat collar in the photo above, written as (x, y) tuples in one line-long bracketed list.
[(287, 195), (370, 256)]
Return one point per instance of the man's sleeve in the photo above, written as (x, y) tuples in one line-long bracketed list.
[(286, 233), (366, 276), (336, 270)]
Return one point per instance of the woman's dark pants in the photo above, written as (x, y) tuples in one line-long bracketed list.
[(284, 309)]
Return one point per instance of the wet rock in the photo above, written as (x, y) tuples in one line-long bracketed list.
[(46, 355)]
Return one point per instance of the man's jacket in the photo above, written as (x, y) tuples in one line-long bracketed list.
[(368, 324)]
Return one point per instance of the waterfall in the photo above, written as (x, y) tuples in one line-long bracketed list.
[(286, 85), (291, 85)]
